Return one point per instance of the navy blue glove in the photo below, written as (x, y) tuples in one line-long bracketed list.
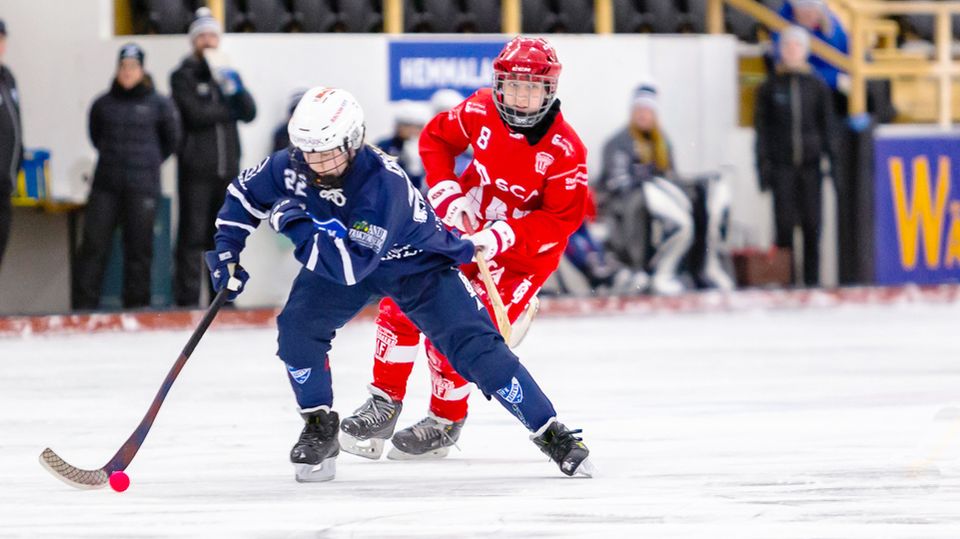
[(230, 84), (286, 212), (225, 271)]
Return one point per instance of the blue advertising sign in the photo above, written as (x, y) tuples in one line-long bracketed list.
[(420, 68), (917, 209)]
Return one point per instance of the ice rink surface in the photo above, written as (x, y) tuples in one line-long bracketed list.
[(814, 423)]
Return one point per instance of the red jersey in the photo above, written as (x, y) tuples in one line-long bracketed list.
[(539, 190)]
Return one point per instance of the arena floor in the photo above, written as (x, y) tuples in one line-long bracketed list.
[(814, 422)]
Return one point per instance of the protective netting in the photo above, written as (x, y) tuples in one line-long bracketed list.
[(71, 475)]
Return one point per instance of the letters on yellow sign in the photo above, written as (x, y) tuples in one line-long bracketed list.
[(924, 214)]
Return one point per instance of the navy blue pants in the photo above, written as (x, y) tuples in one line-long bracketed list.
[(441, 302)]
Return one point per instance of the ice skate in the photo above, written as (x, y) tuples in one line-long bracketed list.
[(314, 456), (371, 425), (430, 438), (564, 448)]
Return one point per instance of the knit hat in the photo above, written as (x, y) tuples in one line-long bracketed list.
[(796, 33), (808, 3), (645, 95), (204, 23), (131, 50)]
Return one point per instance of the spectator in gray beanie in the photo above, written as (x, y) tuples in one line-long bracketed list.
[(135, 130), (11, 141), (212, 98)]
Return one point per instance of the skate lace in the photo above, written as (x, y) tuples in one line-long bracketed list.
[(372, 413), (559, 444), (428, 428)]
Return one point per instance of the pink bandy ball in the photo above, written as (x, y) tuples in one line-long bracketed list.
[(119, 481)]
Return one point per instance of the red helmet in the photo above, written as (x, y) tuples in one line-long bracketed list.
[(530, 64)]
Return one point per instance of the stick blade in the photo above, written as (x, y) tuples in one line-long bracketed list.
[(71, 475)]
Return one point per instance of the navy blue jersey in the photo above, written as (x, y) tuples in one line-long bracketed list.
[(376, 222)]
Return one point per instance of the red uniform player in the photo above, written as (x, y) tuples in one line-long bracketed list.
[(525, 192)]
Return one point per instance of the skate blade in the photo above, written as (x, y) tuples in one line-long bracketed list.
[(316, 473), (396, 454), (586, 469), (368, 449)]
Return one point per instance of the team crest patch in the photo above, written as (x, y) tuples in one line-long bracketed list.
[(300, 375), (370, 236), (512, 393), (544, 160)]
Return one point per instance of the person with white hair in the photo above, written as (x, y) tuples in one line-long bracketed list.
[(211, 98), (815, 16), (793, 119), (408, 120)]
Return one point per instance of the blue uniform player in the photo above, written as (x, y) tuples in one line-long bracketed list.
[(363, 232)]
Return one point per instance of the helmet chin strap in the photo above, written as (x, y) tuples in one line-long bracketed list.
[(321, 181)]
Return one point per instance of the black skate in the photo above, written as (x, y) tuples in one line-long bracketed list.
[(371, 425), (564, 448), (430, 438), (315, 455)]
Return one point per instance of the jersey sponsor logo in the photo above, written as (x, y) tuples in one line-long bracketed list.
[(469, 286), (370, 236), (397, 253), (564, 145), (386, 340), (521, 291), (518, 191), (478, 108), (512, 393), (335, 196), (333, 227), (299, 375), (544, 160)]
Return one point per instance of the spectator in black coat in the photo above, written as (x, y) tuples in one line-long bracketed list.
[(134, 129), (211, 99), (11, 141), (793, 119)]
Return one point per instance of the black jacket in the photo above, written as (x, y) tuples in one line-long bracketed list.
[(211, 144), (11, 133), (134, 131), (793, 119)]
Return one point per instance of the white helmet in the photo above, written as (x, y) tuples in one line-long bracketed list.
[(327, 119), (445, 99)]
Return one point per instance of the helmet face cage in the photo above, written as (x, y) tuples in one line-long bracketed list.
[(521, 99)]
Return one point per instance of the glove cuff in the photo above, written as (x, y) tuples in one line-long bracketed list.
[(442, 194), (506, 238)]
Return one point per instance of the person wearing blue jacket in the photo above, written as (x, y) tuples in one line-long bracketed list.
[(816, 17), (362, 231)]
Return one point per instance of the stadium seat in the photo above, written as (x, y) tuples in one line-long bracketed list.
[(628, 17), (538, 17), (268, 16), (482, 16), (433, 16), (162, 16), (696, 16), (576, 16), (361, 16), (662, 16), (741, 25), (314, 16)]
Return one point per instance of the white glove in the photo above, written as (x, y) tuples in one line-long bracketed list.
[(447, 199), (493, 240)]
